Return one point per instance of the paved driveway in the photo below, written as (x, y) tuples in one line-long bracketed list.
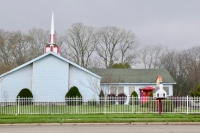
[(102, 128)]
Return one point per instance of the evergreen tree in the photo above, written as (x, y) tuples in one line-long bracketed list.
[(195, 92)]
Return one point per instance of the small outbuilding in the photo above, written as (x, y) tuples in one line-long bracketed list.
[(159, 92), (145, 92)]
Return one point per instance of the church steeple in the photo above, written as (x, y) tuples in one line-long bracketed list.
[(51, 46), (52, 36)]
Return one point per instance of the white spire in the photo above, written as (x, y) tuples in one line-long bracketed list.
[(51, 46), (52, 41)]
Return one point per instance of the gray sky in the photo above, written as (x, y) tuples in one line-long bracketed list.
[(174, 23)]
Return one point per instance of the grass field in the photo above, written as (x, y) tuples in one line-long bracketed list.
[(98, 118), (63, 109)]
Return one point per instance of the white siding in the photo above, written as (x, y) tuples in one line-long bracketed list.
[(170, 89), (16, 81), (55, 49), (137, 88), (126, 91), (47, 49), (50, 79), (81, 80)]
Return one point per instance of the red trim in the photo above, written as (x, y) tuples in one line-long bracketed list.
[(58, 50), (54, 38), (51, 48)]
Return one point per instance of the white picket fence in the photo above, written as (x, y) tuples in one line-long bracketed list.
[(106, 105)]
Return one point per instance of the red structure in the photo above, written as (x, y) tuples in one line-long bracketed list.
[(52, 46), (144, 93)]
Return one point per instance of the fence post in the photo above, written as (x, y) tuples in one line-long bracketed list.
[(18, 104), (104, 104), (131, 100), (48, 107), (187, 104), (76, 104)]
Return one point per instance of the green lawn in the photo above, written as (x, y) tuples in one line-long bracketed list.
[(64, 109), (98, 118)]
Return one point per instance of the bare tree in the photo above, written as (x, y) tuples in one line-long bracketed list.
[(94, 84), (95, 62), (20, 44), (116, 44), (191, 65), (150, 56), (171, 62), (40, 39), (128, 46), (80, 43), (6, 59), (184, 66), (5, 96)]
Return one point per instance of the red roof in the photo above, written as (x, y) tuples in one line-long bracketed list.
[(147, 88)]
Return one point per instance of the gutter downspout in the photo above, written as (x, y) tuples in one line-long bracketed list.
[(0, 88), (68, 77)]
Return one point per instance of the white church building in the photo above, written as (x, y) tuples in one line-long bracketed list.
[(48, 77)]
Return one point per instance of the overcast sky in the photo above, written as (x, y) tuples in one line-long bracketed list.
[(174, 23)]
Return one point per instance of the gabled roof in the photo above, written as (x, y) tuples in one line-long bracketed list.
[(117, 75), (149, 88), (157, 88), (43, 56)]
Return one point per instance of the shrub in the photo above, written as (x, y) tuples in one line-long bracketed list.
[(26, 97), (151, 94), (134, 94), (121, 98), (101, 98), (196, 91), (73, 96), (101, 94), (134, 98), (111, 98), (111, 95)]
